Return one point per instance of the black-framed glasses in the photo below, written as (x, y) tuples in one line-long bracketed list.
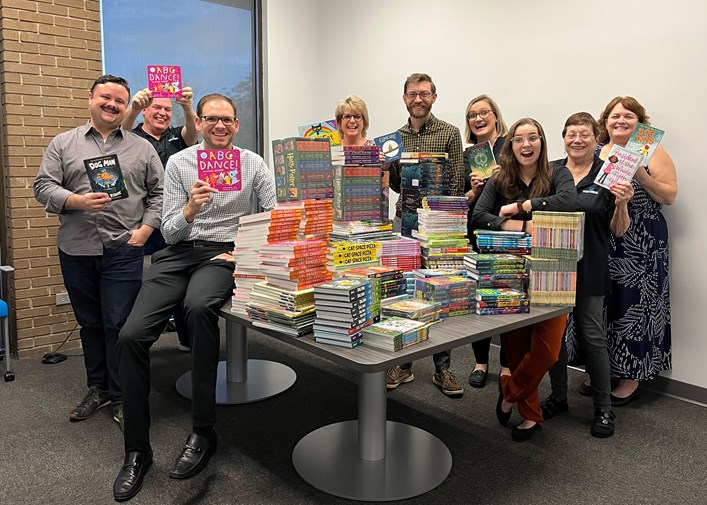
[(411, 95), (482, 114), (213, 120), (355, 117)]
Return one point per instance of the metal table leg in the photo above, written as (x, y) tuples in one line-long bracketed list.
[(243, 380), (372, 459)]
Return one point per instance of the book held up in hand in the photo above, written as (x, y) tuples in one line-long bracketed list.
[(164, 81), (644, 141), (322, 129), (391, 145), (620, 166), (105, 176), (221, 168), (481, 159)]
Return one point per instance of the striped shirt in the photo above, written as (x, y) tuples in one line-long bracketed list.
[(434, 136), (218, 219)]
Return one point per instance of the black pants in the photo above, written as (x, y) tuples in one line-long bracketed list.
[(481, 352), (183, 273)]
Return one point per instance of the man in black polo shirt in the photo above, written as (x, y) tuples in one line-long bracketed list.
[(167, 140)]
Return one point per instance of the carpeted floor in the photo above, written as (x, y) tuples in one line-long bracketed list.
[(658, 455)]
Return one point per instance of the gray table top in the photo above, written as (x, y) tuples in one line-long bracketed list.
[(445, 335)]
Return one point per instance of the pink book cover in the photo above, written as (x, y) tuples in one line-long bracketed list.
[(221, 168), (164, 81)]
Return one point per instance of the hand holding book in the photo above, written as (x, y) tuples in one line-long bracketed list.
[(200, 194)]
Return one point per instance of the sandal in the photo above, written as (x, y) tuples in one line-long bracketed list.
[(553, 406)]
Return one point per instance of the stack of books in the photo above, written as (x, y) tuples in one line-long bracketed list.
[(362, 231), (344, 255), (441, 220), (510, 242), (425, 174), (392, 282), (344, 307), (496, 271), (295, 264), (355, 155), (316, 218), (302, 168), (411, 308), (454, 293), (357, 193), (290, 312), (558, 243), (495, 301), (395, 333), (401, 252)]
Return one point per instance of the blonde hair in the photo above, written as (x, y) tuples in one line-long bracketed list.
[(355, 104), (501, 128)]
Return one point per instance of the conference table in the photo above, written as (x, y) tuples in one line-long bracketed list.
[(370, 458)]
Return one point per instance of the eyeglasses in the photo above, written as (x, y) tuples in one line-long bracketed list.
[(213, 120), (355, 117), (483, 114), (583, 136), (530, 138), (411, 95)]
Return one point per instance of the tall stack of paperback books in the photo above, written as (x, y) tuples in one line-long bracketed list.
[(295, 264), (344, 307), (558, 244), (401, 252), (442, 229), (501, 283), (345, 255), (421, 174), (357, 193), (290, 312), (454, 293), (391, 279), (302, 168)]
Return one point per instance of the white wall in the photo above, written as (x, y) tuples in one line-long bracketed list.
[(541, 59)]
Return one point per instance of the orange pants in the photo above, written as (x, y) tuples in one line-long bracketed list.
[(530, 352)]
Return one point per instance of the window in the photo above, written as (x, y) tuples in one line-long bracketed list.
[(214, 41)]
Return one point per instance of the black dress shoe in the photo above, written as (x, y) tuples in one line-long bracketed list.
[(194, 457), (523, 435), (129, 480), (503, 417), (477, 378), (618, 402)]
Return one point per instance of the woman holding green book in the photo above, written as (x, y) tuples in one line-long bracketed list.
[(525, 182), (484, 123), (605, 214)]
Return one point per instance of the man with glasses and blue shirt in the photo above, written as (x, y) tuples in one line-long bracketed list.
[(167, 140), (423, 132), (199, 225)]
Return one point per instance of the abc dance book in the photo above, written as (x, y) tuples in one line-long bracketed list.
[(221, 168), (105, 176), (620, 166), (164, 81)]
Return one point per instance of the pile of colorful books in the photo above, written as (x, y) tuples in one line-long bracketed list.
[(498, 272), (344, 255), (510, 242), (411, 308), (290, 312), (454, 293), (421, 175), (344, 307), (442, 229), (302, 168), (392, 282), (495, 301), (401, 252), (295, 264), (395, 333)]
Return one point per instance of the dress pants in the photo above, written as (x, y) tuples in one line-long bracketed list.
[(481, 350), (102, 290), (530, 352), (182, 273), (589, 330)]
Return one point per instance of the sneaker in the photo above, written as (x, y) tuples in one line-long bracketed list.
[(94, 400), (118, 415), (603, 425), (553, 406), (396, 376), (448, 382)]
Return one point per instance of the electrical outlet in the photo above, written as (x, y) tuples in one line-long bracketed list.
[(62, 299)]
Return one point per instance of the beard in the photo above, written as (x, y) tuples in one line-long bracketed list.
[(419, 111)]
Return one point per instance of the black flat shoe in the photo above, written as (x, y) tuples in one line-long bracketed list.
[(503, 417), (520, 435), (194, 457), (586, 389), (129, 480), (619, 402), (553, 406), (477, 378)]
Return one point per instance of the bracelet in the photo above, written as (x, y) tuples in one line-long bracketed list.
[(520, 206)]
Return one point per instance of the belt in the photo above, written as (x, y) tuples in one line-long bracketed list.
[(204, 243)]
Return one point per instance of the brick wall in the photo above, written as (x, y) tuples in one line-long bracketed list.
[(50, 53)]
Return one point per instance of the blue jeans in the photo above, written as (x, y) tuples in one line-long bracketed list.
[(102, 291)]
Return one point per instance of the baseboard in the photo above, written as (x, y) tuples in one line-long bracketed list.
[(676, 389)]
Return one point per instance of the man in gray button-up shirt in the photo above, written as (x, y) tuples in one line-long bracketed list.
[(101, 239)]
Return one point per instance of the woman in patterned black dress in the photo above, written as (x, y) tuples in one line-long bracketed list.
[(638, 310)]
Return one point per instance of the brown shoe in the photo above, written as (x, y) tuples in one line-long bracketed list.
[(448, 382), (396, 376)]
